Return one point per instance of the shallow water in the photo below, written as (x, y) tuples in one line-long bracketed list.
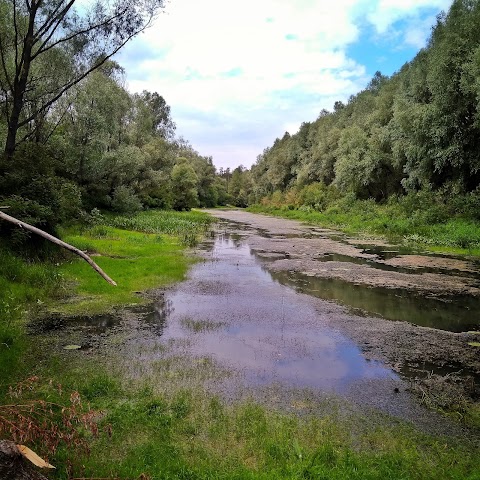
[(456, 314), (258, 326)]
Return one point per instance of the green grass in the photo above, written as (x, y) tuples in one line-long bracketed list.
[(136, 261), (188, 226), (139, 252), (184, 433), (24, 286)]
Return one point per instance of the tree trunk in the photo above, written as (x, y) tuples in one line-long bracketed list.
[(14, 466), (20, 83), (59, 242)]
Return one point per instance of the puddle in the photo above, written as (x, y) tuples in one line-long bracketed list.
[(383, 253), (259, 327), (458, 314)]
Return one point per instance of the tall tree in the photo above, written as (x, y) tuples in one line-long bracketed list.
[(40, 30)]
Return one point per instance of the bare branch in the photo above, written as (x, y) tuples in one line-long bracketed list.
[(59, 242), (47, 25)]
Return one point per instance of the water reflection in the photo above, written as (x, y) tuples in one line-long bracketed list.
[(456, 314), (266, 330)]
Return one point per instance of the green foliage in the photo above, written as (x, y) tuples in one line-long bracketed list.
[(418, 130), (184, 186), (124, 200), (103, 148), (424, 217)]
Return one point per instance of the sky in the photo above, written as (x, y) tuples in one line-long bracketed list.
[(239, 74)]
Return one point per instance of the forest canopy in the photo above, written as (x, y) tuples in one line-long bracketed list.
[(418, 130), (75, 141)]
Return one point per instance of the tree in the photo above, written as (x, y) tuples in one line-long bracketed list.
[(153, 116), (184, 185), (40, 31)]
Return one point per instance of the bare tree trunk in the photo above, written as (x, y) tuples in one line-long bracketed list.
[(13, 464), (57, 241), (20, 82)]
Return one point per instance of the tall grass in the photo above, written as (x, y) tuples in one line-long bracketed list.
[(23, 285), (188, 226)]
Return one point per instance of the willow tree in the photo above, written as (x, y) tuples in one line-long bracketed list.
[(49, 46)]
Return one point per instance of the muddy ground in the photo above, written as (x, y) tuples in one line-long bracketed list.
[(443, 363)]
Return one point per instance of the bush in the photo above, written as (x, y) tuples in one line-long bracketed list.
[(124, 200)]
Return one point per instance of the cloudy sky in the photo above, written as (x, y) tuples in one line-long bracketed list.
[(238, 74)]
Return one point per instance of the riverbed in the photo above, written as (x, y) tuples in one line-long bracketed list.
[(284, 312)]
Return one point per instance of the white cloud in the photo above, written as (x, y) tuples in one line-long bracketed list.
[(237, 74), (387, 12)]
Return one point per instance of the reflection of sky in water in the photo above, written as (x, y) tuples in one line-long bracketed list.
[(267, 330)]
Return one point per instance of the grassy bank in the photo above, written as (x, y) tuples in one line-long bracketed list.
[(150, 254), (187, 434), (399, 221), (163, 423)]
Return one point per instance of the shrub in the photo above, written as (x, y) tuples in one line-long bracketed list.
[(124, 200)]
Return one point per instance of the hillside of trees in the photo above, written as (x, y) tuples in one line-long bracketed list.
[(418, 130)]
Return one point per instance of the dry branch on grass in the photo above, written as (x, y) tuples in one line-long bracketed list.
[(57, 241), (13, 464)]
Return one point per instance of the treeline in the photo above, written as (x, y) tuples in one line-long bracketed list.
[(102, 147), (418, 130), (74, 140)]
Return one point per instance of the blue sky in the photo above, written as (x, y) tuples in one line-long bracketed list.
[(237, 75)]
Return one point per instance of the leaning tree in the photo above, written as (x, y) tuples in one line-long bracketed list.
[(49, 46)]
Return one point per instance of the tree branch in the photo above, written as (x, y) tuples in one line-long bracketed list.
[(78, 80), (55, 16), (45, 47), (59, 242)]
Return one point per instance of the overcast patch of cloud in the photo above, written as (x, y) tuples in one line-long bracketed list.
[(238, 74)]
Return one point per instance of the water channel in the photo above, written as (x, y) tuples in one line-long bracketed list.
[(278, 329), (244, 318)]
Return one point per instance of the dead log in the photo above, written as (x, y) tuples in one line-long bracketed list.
[(57, 241), (14, 466)]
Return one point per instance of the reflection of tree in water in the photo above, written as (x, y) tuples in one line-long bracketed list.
[(156, 318)]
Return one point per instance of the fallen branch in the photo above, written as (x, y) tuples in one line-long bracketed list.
[(57, 241)]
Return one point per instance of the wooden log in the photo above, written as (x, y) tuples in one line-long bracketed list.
[(59, 242), (14, 466)]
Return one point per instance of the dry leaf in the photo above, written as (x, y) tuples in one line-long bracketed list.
[(33, 457)]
